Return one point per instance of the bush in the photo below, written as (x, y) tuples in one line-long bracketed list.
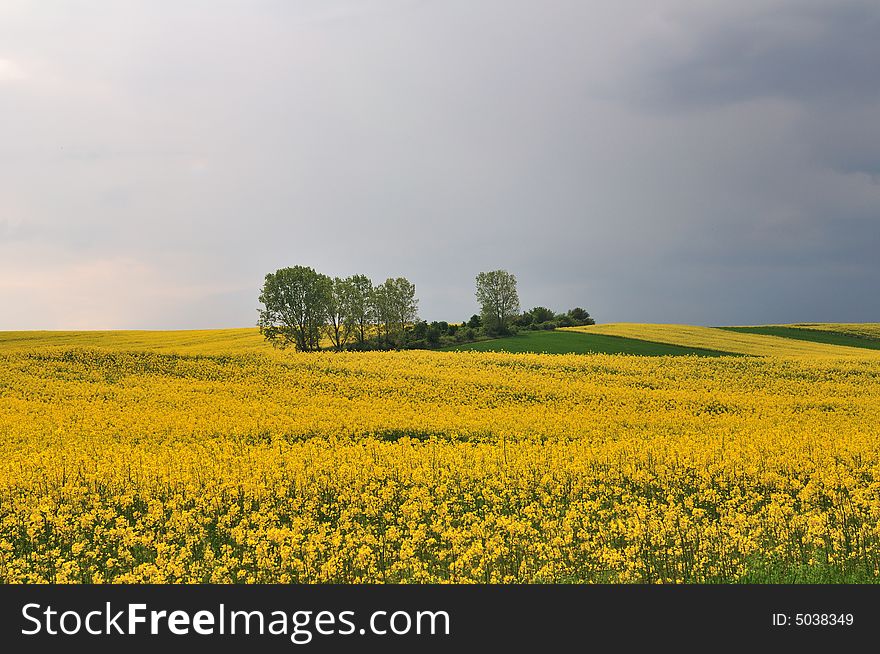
[(420, 330), (523, 320), (580, 316), (366, 346), (420, 344), (542, 314)]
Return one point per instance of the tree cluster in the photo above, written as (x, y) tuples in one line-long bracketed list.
[(301, 305), (535, 319), (499, 309), (544, 318)]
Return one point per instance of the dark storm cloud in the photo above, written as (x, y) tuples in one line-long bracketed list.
[(652, 161), (818, 53), (796, 227), (821, 57)]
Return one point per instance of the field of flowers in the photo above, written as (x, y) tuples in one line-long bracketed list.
[(121, 465), (713, 338), (864, 330), (183, 341)]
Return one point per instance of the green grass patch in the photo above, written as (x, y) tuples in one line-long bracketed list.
[(560, 342), (814, 335), (762, 572)]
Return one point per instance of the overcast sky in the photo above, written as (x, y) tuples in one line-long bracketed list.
[(650, 160)]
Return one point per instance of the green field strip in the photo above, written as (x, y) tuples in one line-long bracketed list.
[(557, 342), (812, 335)]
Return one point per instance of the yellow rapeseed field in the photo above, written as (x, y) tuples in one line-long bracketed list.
[(142, 465), (865, 330), (727, 341), (190, 341)]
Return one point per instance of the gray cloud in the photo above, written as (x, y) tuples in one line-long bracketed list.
[(816, 52), (652, 161)]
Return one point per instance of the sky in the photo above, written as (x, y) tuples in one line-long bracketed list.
[(649, 160)]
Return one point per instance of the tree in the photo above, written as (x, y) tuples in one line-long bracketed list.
[(542, 314), (420, 330), (361, 304), (433, 335), (340, 321), (581, 317), (295, 304), (381, 311), (404, 303), (499, 302), (523, 320), (396, 306)]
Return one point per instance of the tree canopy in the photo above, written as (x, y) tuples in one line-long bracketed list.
[(499, 301), (296, 302), (396, 307)]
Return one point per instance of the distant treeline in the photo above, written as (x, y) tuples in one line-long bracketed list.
[(302, 306)]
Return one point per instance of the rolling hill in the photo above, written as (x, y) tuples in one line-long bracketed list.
[(725, 340)]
